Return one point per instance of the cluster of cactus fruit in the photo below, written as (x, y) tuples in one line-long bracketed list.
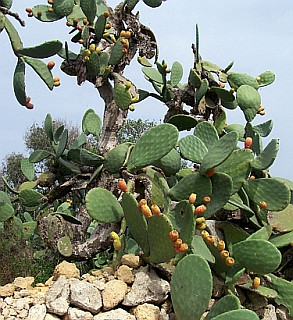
[(168, 217)]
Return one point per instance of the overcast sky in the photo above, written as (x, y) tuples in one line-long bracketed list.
[(257, 35)]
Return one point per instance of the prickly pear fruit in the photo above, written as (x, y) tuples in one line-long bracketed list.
[(177, 243), (114, 235), (256, 282), (210, 239), (263, 205), (200, 220), (51, 65), (192, 198), (155, 210), (248, 142), (141, 203), (173, 235), (117, 244), (201, 226), (199, 210), (183, 248), (206, 199), (221, 245), (146, 211), (224, 254), (122, 185), (210, 172), (204, 234), (229, 261)]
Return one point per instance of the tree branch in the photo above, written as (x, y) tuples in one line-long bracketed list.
[(13, 14)]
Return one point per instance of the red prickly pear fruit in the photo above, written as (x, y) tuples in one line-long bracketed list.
[(229, 261), (155, 210), (173, 235), (206, 199), (141, 203), (224, 254), (30, 14), (248, 142), (146, 211), (263, 205), (255, 282), (192, 198), (51, 65), (177, 243), (124, 50), (210, 172), (200, 210), (221, 245), (183, 248), (122, 185)]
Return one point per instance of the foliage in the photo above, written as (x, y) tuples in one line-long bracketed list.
[(11, 170), (139, 184)]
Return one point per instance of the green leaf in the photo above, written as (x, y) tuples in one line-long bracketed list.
[(44, 50)]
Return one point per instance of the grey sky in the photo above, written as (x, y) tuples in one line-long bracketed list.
[(257, 35)]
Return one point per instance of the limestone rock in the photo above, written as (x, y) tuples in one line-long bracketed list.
[(124, 273), (147, 287), (118, 314), (269, 313), (7, 290), (131, 261), (37, 312), (114, 293), (77, 314), (23, 283), (57, 299), (146, 311), (69, 270), (51, 317), (85, 296)]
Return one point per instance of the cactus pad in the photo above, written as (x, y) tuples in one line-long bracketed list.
[(6, 211), (19, 82), (267, 157), (282, 221), (44, 50), (153, 3), (236, 80), (194, 78), (103, 206), (183, 122), (241, 314), (192, 148), (64, 246), (27, 168), (249, 101), (191, 287), (63, 7), (225, 304), (89, 7), (122, 96), (176, 73), (266, 78), (91, 123), (115, 158), (207, 133), (30, 197)]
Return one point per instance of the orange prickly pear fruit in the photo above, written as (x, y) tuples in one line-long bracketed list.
[(173, 235), (39, 13), (248, 142), (141, 203), (251, 178), (122, 34), (256, 282), (210, 239), (204, 234), (263, 205), (210, 172), (127, 34), (106, 14), (177, 243), (146, 211), (229, 261), (85, 21), (221, 245), (29, 105), (155, 210), (28, 10), (122, 185), (206, 199), (51, 65), (224, 254), (124, 50), (192, 198), (199, 210), (183, 248)]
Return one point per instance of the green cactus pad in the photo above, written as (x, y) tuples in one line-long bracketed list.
[(264, 129), (136, 222), (282, 221), (274, 192), (221, 190), (249, 101), (192, 148), (220, 151), (63, 7), (241, 314), (176, 73), (100, 27), (183, 122), (266, 78), (239, 128), (85, 157), (236, 80), (261, 290), (152, 74), (30, 197), (62, 143), (93, 64), (4, 198), (267, 157), (257, 255), (28, 228), (13, 35), (233, 234), (201, 91), (153, 3), (192, 183), (191, 287), (46, 16), (230, 105), (6, 3), (264, 233), (143, 60), (78, 14), (209, 66), (42, 70), (79, 141), (44, 50), (6, 211), (183, 220), (91, 123), (207, 133), (115, 158), (19, 82), (256, 146), (102, 205), (161, 247), (89, 7), (68, 167), (194, 79), (223, 94), (282, 240), (39, 155), (64, 246), (116, 53), (285, 291), (199, 247), (237, 166), (27, 168), (48, 126), (170, 163), (153, 145), (122, 96), (225, 304)]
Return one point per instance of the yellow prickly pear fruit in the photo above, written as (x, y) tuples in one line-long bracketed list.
[(146, 211), (221, 245), (256, 282), (117, 244), (128, 85), (92, 47), (200, 220), (131, 108), (155, 210), (87, 52), (204, 234), (263, 205), (229, 261), (192, 198), (106, 14), (201, 226), (50, 9), (224, 254), (257, 79), (173, 235), (86, 58), (114, 235), (134, 99)]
